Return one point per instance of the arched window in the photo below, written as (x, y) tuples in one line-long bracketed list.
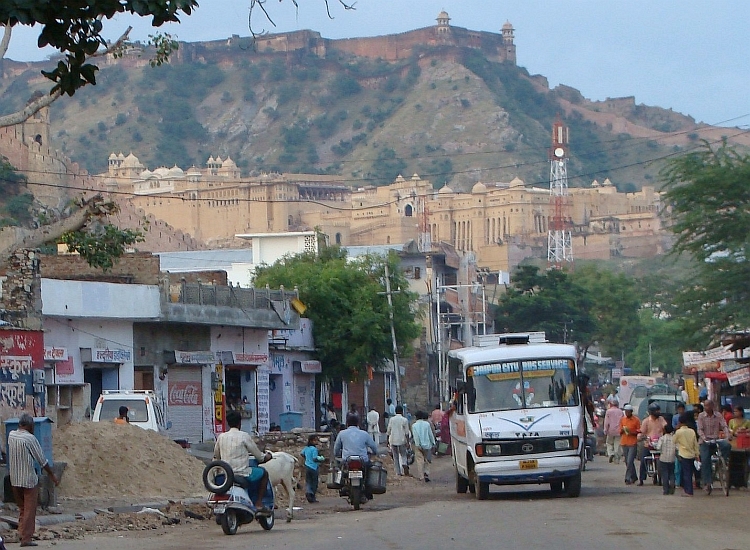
[(338, 238), (408, 211)]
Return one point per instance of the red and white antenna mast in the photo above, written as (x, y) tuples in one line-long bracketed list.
[(559, 243)]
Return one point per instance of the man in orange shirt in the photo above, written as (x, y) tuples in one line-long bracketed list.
[(123, 418), (630, 426)]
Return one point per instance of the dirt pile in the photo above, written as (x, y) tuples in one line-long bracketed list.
[(109, 460)]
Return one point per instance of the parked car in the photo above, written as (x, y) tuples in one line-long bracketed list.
[(144, 408)]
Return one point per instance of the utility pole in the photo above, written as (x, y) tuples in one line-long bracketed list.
[(396, 370)]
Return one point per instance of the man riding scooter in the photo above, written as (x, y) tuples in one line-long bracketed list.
[(234, 447)]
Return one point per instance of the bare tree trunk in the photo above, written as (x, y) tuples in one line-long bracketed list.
[(14, 238)]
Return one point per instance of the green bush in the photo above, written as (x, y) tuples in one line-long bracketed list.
[(345, 86), (121, 119)]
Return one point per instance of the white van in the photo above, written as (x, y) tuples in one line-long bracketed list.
[(518, 416), (144, 409)]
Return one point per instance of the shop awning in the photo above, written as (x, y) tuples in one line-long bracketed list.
[(721, 376)]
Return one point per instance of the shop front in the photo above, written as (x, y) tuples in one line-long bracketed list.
[(67, 395), (101, 369), (189, 398), (241, 387)]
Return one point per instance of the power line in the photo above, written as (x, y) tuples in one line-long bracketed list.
[(331, 206)]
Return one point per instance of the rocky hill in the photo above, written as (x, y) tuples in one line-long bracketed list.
[(452, 113)]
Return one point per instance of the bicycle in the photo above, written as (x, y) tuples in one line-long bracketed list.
[(719, 467)]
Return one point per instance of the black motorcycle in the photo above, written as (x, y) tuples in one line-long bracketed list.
[(357, 482)]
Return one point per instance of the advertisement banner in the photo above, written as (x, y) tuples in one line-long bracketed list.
[(219, 407), (184, 394), (21, 353), (739, 376)]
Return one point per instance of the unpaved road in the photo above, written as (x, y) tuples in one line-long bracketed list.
[(608, 515)]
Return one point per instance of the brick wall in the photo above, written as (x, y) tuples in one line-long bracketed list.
[(21, 290), (136, 268)]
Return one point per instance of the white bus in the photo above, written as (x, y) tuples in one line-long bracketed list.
[(518, 418)]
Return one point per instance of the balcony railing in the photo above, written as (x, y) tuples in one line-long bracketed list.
[(226, 296)]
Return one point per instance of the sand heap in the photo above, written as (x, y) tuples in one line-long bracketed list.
[(109, 460)]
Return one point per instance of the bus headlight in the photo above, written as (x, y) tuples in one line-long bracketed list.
[(493, 450), (562, 444)]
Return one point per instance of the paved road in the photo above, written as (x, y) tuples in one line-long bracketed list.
[(608, 515)]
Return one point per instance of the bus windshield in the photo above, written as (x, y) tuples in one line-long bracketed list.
[(521, 385)]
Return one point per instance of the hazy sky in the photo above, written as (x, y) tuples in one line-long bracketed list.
[(689, 56)]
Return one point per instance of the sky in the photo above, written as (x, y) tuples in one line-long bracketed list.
[(689, 56)]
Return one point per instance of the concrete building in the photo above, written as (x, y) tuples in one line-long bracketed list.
[(184, 339)]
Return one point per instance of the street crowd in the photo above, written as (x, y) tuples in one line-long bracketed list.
[(684, 445)]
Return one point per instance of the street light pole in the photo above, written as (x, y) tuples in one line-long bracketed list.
[(396, 370)]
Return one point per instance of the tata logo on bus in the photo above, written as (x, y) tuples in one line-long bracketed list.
[(184, 394), (524, 435)]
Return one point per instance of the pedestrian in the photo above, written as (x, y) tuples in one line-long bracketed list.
[(398, 440), (612, 431), (23, 450), (373, 424), (711, 428), (436, 417), (331, 417), (312, 461), (123, 418), (666, 447), (445, 431), (686, 444), (424, 440), (390, 411), (679, 411), (629, 428)]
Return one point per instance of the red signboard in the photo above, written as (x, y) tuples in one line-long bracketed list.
[(185, 394), (21, 352)]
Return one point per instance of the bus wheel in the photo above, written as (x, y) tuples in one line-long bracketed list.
[(573, 485), (462, 484), (483, 490)]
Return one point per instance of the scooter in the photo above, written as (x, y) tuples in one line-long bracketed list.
[(231, 499)]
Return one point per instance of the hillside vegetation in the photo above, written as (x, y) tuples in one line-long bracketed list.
[(447, 113)]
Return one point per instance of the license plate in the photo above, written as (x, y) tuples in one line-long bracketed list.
[(355, 474), (528, 464), (220, 509)]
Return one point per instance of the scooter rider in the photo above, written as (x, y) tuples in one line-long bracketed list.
[(233, 447)]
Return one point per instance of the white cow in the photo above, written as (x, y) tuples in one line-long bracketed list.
[(281, 472)]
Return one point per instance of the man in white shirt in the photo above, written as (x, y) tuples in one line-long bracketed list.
[(398, 440), (23, 450), (235, 447), (373, 424)]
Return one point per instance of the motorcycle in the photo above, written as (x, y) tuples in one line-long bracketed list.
[(231, 499), (651, 459), (358, 483)]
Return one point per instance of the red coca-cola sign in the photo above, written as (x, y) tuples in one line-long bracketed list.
[(185, 394)]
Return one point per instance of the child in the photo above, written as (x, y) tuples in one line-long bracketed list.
[(687, 451), (312, 460), (666, 460)]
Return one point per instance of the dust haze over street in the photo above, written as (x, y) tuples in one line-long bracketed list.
[(608, 515)]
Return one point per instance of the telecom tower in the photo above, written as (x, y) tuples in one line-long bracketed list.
[(559, 244)]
